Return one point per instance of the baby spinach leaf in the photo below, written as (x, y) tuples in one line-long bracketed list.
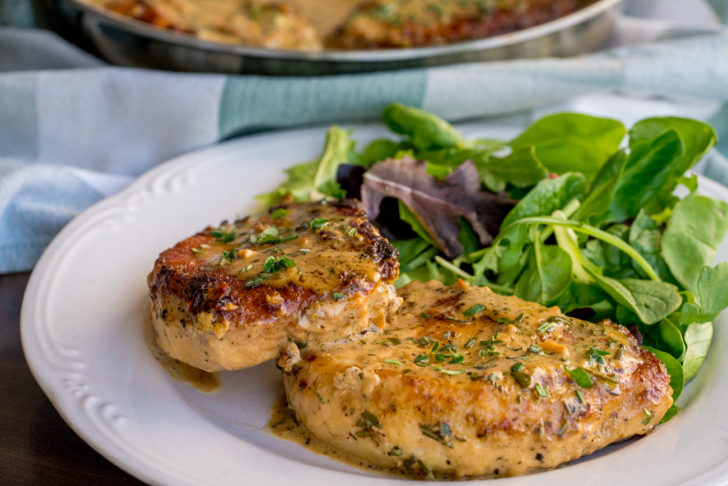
[(671, 412), (593, 250), (645, 237), (669, 339), (410, 252), (408, 217), (693, 234), (548, 196), (674, 369), (697, 137), (380, 149), (697, 339), (571, 142), (521, 168), (468, 237), (617, 263), (650, 300), (547, 275), (649, 167), (712, 285), (600, 195), (424, 130), (661, 150), (316, 179), (579, 295), (711, 297)]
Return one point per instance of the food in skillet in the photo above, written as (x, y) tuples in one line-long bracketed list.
[(414, 23), (345, 24), (234, 296), (468, 383), (260, 23)]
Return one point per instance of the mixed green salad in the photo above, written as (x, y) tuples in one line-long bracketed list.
[(576, 211)]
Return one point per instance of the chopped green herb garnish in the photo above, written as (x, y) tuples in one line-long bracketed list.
[(441, 432), (503, 320), (546, 326), (273, 264), (452, 372), (367, 421), (353, 232), (541, 391), (579, 395), (279, 213), (289, 238), (321, 399), (268, 235), (424, 315), (229, 255), (562, 430), (581, 377), (517, 367), (305, 251), (649, 415), (595, 355), (255, 281), (474, 310), (535, 348), (435, 346), (488, 351), (223, 236), (422, 360), (319, 223), (449, 348), (457, 358), (522, 378), (423, 341), (337, 296), (470, 343), (396, 451), (392, 362)]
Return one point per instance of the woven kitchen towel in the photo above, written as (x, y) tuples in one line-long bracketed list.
[(73, 130)]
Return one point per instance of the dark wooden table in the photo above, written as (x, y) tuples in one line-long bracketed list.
[(36, 445)]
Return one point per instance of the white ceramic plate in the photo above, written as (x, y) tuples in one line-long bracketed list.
[(82, 335)]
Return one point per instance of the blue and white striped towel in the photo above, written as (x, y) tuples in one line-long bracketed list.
[(73, 130)]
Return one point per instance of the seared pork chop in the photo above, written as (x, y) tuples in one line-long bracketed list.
[(468, 383), (234, 296)]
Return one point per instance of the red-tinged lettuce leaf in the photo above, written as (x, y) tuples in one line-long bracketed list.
[(437, 204)]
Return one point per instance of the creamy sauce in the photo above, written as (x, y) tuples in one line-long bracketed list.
[(324, 16), (284, 425), (198, 379), (316, 255)]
